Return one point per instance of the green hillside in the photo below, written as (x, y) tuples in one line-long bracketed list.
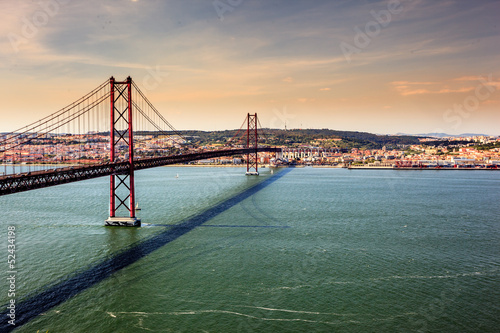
[(299, 137)]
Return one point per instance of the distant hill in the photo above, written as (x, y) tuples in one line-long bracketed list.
[(297, 137), (443, 135)]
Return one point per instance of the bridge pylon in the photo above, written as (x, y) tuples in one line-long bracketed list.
[(122, 187), (252, 141)]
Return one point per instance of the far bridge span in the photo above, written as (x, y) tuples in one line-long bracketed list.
[(128, 111)]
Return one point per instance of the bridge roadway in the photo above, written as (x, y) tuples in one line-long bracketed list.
[(38, 179)]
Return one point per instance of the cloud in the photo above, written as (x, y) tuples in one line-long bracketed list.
[(305, 100), (408, 88), (462, 84), (404, 91), (468, 78), (324, 89), (411, 83), (486, 80), (288, 79), (491, 102)]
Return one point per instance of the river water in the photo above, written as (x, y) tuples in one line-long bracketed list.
[(299, 250)]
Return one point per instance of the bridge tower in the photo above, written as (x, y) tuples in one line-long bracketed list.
[(252, 139), (122, 149)]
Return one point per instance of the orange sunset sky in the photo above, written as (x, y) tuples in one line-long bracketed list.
[(410, 66)]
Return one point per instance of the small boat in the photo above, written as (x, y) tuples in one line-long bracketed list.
[(177, 176), (137, 206)]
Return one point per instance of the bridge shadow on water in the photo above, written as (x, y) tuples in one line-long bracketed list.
[(63, 290)]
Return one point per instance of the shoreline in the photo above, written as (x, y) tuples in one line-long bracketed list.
[(426, 169), (267, 166)]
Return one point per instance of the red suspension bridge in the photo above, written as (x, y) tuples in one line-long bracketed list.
[(112, 131)]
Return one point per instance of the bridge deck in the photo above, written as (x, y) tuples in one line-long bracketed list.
[(38, 179)]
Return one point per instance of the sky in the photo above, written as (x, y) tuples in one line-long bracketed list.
[(386, 67)]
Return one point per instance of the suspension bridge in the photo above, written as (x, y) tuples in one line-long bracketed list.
[(114, 130)]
